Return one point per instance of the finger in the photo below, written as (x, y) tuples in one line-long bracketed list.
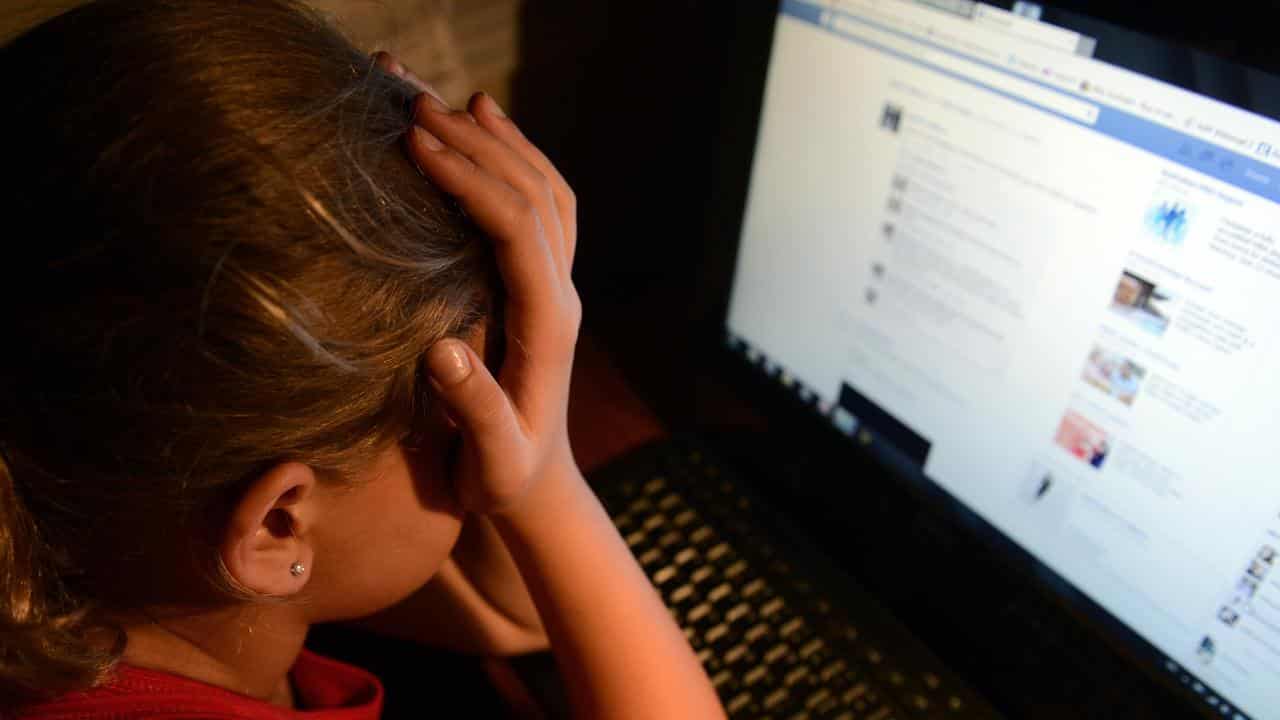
[(492, 117), (511, 222), (487, 151), (389, 63), (482, 411)]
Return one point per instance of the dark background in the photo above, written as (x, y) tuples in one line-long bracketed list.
[(626, 98)]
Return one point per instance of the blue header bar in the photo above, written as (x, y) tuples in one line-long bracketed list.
[(1235, 169)]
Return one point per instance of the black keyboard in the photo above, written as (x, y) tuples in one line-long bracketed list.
[(745, 590)]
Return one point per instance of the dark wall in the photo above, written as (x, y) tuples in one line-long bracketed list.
[(623, 97)]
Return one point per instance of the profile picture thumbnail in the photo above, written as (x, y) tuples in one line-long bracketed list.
[(1206, 649), (1114, 374), (1228, 616), (891, 117), (1142, 302), (1245, 590), (1167, 219), (1083, 439)]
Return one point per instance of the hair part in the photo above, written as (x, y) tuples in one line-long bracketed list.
[(237, 265)]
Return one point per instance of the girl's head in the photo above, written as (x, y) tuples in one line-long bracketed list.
[(214, 323)]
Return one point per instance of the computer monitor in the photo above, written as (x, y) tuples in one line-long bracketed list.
[(1046, 284)]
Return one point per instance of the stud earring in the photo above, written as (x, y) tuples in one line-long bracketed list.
[(297, 568)]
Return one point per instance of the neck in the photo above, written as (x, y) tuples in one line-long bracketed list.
[(244, 649)]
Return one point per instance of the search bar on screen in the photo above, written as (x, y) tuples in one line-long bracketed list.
[(1024, 90)]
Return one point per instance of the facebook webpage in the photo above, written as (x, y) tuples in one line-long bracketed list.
[(1058, 277)]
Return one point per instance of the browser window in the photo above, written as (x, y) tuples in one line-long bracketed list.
[(1050, 280)]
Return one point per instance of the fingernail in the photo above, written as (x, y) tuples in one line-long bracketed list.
[(437, 104), (448, 363), (431, 142), (494, 107), (429, 89)]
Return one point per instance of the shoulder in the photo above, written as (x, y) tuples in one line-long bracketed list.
[(327, 689)]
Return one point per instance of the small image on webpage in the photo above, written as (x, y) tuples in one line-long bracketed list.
[(1083, 439), (1167, 219), (1114, 374), (1141, 302)]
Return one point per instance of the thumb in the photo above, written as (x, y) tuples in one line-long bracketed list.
[(475, 401)]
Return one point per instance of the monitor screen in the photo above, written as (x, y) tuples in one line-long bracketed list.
[(1045, 283)]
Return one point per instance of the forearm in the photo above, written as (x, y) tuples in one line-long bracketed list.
[(621, 654), (449, 612), (483, 559)]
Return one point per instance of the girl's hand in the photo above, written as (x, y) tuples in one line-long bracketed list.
[(514, 428)]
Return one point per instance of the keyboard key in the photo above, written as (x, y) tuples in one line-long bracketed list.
[(771, 607), (671, 539), (650, 557), (735, 569), (854, 693), (719, 592), (702, 536), (635, 538), (736, 653), (685, 556), (719, 632), (669, 501), (654, 522), (755, 675), (655, 486), (698, 613), (776, 698), (832, 669), (739, 613), (757, 632), (884, 712), (801, 672), (819, 698), (721, 679), (685, 517), (702, 574), (752, 588), (931, 681), (718, 551), (777, 653), (811, 648), (791, 627), (739, 702), (681, 594), (665, 575)]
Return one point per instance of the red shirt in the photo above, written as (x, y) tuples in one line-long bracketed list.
[(324, 689)]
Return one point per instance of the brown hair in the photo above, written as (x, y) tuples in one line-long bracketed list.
[(228, 262)]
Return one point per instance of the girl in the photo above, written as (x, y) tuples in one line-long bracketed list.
[(247, 385)]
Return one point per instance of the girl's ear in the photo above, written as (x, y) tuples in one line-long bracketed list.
[(266, 545)]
